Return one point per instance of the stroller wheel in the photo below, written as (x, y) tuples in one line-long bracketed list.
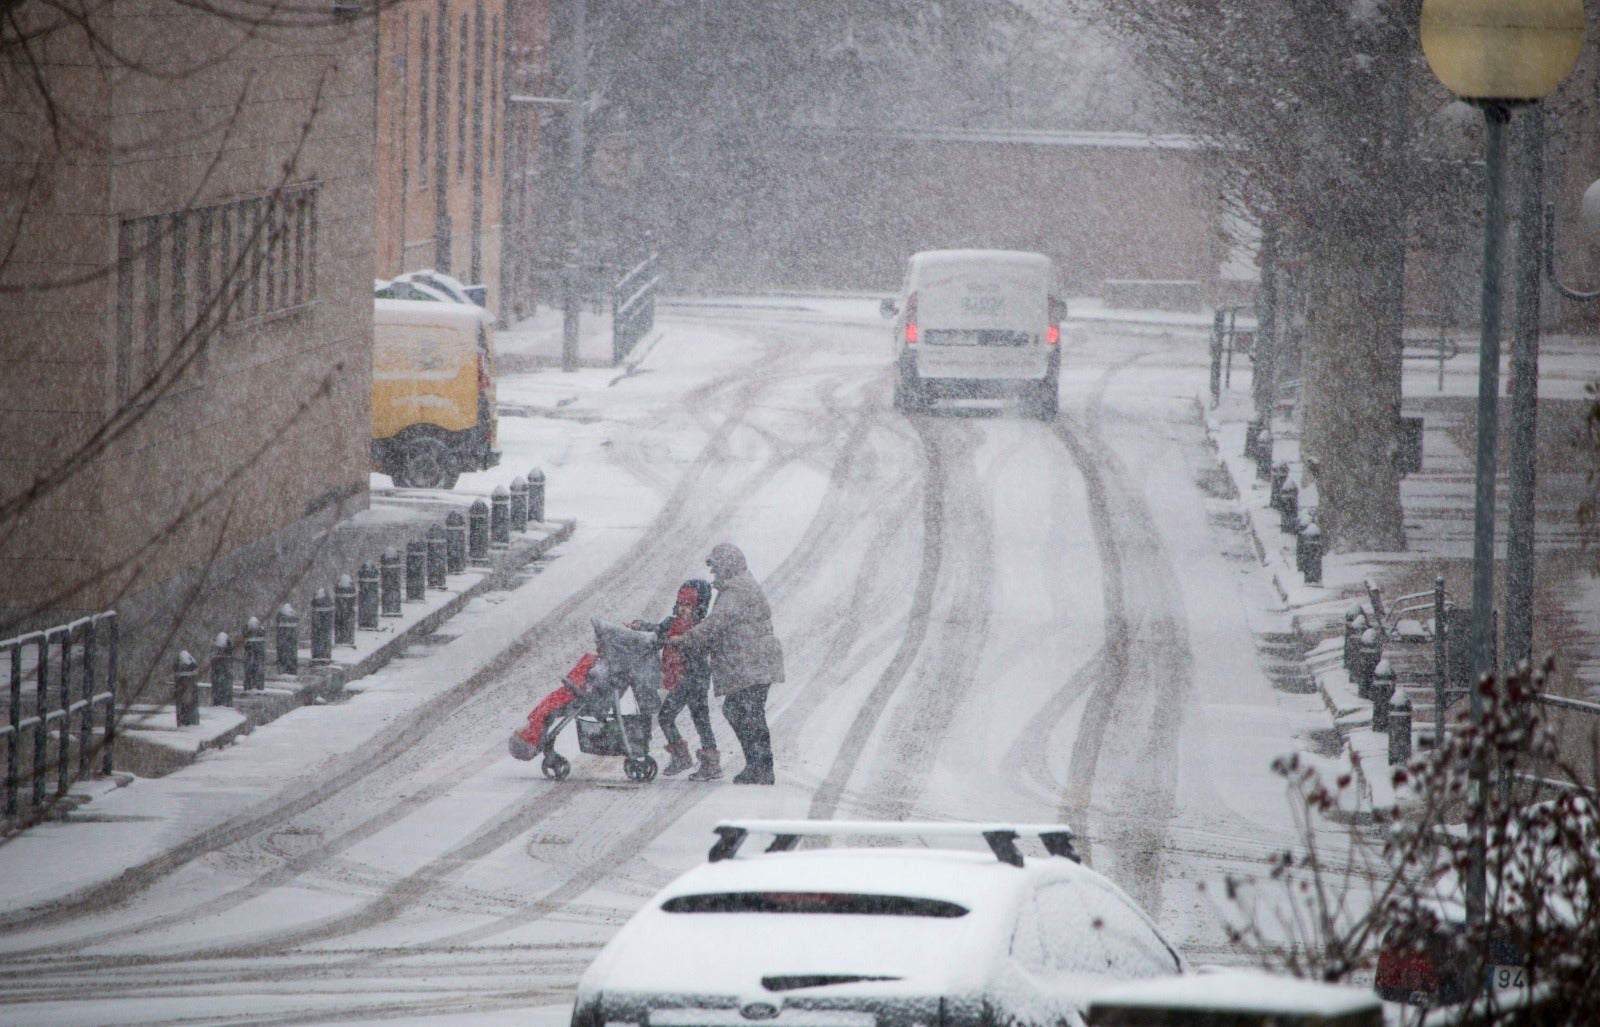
[(647, 769), (556, 767)]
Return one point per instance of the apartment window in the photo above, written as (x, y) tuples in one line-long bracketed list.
[(479, 42), (182, 275), (495, 72), (423, 68), (461, 101), (441, 99)]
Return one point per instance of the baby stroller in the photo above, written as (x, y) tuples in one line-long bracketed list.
[(591, 698)]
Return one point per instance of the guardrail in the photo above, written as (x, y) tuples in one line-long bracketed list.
[(633, 306), (1440, 348), (60, 678)]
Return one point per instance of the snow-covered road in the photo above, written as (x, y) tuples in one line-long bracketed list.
[(984, 617)]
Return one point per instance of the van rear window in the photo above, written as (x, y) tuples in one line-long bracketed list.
[(811, 902), (976, 337)]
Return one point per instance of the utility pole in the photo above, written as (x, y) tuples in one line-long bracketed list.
[(577, 111)]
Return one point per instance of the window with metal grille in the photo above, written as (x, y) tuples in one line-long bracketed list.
[(185, 275)]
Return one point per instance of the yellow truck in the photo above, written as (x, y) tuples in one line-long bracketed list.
[(433, 412)]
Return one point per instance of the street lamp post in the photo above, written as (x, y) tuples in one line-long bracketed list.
[(1495, 54), (1524, 397)]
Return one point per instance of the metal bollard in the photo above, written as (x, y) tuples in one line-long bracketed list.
[(438, 557), (1400, 730), (367, 597), (499, 517), (1311, 539), (536, 495), (186, 689), (1289, 508), (478, 532), (287, 641), (222, 670), (344, 611), (519, 504), (1252, 435), (455, 533), (1355, 622), (1368, 653), (1383, 683), (255, 655), (321, 628), (1280, 475), (1264, 455), (416, 570), (390, 569)]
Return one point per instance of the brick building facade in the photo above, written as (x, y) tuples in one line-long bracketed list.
[(186, 316)]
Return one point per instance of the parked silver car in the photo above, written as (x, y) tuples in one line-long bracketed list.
[(869, 936)]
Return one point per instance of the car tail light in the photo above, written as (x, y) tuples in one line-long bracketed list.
[(484, 384), (1052, 334), (1402, 973), (911, 318)]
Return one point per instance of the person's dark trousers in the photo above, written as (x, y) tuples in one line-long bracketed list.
[(686, 694), (746, 711)]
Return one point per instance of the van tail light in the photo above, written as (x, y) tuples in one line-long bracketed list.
[(911, 318), (1052, 334), (484, 384)]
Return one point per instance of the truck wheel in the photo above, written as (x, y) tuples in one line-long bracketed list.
[(425, 462), (1045, 401), (908, 395)]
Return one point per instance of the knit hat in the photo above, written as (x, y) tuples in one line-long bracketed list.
[(697, 591)]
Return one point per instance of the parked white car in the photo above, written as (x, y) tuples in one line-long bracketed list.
[(859, 936)]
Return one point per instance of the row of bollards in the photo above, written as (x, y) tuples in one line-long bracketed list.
[(1376, 682), (1284, 497), (377, 591)]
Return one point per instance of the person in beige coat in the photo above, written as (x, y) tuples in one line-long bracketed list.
[(746, 659)]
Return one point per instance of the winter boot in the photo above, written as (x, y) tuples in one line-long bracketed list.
[(710, 766), (755, 774), (680, 761)]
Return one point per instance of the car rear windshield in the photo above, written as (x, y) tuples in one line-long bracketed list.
[(811, 902)]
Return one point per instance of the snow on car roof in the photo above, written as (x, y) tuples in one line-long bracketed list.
[(1000, 837), (970, 878), (430, 312), (979, 256)]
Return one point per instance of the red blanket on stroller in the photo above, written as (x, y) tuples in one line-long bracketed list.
[(573, 686)]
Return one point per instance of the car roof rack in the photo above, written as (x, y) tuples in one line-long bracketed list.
[(1002, 838)]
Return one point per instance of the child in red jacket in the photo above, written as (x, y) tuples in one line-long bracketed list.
[(686, 677)]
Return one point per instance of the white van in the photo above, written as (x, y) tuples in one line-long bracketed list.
[(977, 324)]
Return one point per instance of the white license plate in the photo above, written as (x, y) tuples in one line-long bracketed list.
[(1503, 977)]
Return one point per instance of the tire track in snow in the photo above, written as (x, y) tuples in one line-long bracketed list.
[(943, 678), (825, 801), (508, 827), (1141, 679), (671, 524)]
